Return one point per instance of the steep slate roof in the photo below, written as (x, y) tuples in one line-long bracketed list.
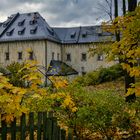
[(32, 26), (59, 68), (28, 26)]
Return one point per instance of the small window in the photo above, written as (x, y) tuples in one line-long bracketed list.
[(100, 57), (7, 56), (73, 34), (31, 55), (21, 32), (31, 22), (19, 55), (84, 34), (83, 70), (84, 57), (68, 57), (52, 55), (33, 31), (21, 23), (9, 33), (58, 55)]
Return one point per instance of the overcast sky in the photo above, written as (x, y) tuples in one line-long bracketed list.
[(64, 13)]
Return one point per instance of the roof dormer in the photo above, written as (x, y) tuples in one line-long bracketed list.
[(33, 31), (21, 23), (73, 34), (9, 33), (21, 32)]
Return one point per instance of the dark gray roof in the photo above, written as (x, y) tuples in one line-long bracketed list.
[(32, 26), (59, 68), (85, 34), (26, 26)]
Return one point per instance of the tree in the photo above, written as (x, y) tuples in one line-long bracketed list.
[(129, 80), (107, 8), (124, 7), (127, 49)]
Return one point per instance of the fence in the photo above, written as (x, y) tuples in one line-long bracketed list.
[(34, 127)]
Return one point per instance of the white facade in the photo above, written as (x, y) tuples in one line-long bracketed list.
[(28, 36)]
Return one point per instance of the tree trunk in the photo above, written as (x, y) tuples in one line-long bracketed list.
[(132, 4), (130, 80), (117, 34), (124, 7)]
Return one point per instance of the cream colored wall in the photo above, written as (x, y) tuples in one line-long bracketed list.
[(38, 48), (43, 54), (53, 47), (90, 64)]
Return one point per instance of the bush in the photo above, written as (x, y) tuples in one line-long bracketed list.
[(111, 73), (102, 113), (99, 76)]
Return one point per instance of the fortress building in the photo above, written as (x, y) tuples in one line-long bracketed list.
[(30, 31)]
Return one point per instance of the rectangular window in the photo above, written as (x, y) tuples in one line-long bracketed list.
[(58, 56), (7, 56), (19, 55), (100, 57), (31, 55), (83, 70), (68, 57), (83, 57), (52, 55)]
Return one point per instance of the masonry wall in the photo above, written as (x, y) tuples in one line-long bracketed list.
[(38, 48), (76, 51), (53, 51), (44, 51)]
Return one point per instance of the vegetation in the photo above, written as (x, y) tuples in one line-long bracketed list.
[(98, 114), (127, 48), (101, 75)]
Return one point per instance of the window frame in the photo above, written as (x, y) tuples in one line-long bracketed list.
[(100, 57), (83, 56), (7, 56), (68, 57), (31, 55), (58, 56), (20, 55), (53, 55)]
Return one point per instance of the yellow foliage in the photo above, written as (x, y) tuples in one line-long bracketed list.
[(11, 97), (68, 103), (59, 82)]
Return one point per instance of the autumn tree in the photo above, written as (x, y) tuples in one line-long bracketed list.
[(127, 49), (126, 29)]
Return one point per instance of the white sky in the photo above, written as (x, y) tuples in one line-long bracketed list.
[(65, 13)]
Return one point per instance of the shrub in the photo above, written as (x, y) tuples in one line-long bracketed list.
[(91, 78), (111, 73), (100, 75)]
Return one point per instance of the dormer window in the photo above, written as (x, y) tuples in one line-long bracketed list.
[(84, 34), (5, 24), (21, 32), (72, 35), (21, 23), (10, 32), (33, 31), (31, 22)]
